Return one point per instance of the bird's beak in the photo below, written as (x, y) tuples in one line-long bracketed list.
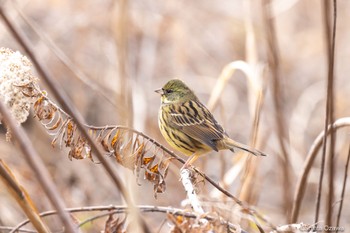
[(159, 91)]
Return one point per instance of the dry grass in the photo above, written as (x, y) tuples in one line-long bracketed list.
[(264, 73)]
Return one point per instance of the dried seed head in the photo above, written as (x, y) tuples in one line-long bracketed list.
[(15, 71)]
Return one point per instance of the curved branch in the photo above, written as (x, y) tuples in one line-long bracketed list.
[(301, 185), (343, 190)]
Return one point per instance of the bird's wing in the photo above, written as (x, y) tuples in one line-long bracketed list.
[(200, 124)]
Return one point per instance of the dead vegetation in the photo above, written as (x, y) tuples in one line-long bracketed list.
[(273, 73)]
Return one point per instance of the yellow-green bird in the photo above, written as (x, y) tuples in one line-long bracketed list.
[(189, 127)]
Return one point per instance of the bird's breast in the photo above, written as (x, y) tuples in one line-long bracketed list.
[(176, 138)]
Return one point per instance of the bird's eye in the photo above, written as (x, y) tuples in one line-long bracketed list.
[(167, 91)]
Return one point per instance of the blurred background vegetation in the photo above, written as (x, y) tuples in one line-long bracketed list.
[(116, 53)]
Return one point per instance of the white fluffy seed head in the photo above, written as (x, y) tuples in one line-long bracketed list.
[(15, 70)]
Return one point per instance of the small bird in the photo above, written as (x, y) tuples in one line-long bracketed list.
[(189, 127)]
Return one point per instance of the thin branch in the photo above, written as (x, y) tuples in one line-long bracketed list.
[(330, 43), (98, 216), (18, 230), (278, 100), (343, 190), (331, 118), (248, 189), (316, 146), (125, 209)]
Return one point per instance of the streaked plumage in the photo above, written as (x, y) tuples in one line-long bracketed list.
[(188, 126)]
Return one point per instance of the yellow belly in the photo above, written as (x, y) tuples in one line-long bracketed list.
[(180, 141)]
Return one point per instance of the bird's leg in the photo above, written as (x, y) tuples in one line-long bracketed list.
[(190, 160)]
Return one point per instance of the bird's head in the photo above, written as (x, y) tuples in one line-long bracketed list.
[(175, 91)]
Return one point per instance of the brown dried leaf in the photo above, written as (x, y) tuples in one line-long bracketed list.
[(154, 169), (56, 125), (27, 90), (197, 225), (70, 129), (150, 176), (164, 165), (118, 157), (73, 153), (115, 138), (128, 147), (140, 151), (148, 160), (78, 148), (49, 114), (43, 109), (104, 144), (107, 146), (60, 133), (182, 224), (38, 103), (53, 142), (115, 225), (160, 187)]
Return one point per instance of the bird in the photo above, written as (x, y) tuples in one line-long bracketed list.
[(189, 127)]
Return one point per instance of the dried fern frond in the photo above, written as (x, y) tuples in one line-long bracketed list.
[(130, 148)]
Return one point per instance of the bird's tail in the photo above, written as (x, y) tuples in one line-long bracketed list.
[(231, 144)]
